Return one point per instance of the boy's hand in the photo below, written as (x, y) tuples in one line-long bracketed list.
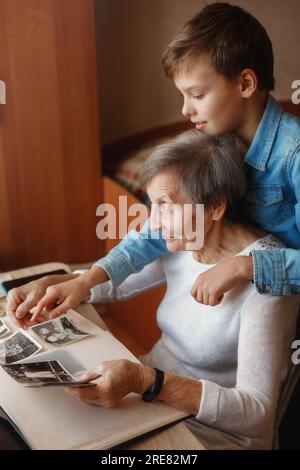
[(210, 286), (60, 298)]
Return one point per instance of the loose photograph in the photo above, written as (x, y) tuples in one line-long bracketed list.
[(41, 374), (17, 347), (4, 330), (59, 332), (38, 373)]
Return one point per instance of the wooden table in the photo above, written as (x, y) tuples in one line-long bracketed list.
[(173, 437)]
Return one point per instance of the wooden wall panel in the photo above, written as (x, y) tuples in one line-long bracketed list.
[(50, 175)]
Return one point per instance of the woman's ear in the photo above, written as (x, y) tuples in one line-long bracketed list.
[(219, 211), (247, 83)]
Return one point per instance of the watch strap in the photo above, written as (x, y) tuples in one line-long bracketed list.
[(154, 390)]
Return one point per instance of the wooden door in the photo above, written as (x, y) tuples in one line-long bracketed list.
[(50, 175)]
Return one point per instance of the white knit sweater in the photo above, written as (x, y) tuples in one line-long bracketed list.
[(240, 350)]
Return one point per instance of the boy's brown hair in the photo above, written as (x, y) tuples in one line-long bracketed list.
[(231, 37)]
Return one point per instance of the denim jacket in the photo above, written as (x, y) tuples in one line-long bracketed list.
[(272, 202)]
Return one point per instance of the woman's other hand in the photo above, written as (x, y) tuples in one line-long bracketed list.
[(22, 299), (114, 380)]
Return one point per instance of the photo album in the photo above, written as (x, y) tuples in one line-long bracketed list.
[(38, 364)]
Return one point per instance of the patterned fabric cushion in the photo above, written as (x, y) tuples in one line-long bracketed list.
[(126, 171)]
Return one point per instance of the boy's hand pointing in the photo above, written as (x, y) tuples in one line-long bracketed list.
[(60, 298)]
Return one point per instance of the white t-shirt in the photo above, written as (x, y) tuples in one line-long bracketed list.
[(240, 349)]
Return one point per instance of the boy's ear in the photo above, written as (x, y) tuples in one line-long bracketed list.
[(218, 212), (247, 83)]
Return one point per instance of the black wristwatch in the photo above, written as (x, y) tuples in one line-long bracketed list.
[(156, 387)]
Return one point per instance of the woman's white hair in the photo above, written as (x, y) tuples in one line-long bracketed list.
[(210, 169)]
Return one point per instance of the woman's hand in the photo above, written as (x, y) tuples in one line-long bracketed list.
[(210, 286), (22, 299), (115, 380), (59, 298)]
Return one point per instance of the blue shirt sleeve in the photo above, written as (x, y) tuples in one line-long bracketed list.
[(277, 271), (134, 252)]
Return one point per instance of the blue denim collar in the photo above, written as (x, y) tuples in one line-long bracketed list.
[(260, 149)]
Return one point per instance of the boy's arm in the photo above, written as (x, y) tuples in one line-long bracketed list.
[(58, 299), (278, 271), (149, 278), (134, 252)]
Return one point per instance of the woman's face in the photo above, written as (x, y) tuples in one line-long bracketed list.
[(182, 225)]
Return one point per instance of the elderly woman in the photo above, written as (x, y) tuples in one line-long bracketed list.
[(223, 365)]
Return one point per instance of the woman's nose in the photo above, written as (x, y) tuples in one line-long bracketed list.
[(154, 225), (155, 219)]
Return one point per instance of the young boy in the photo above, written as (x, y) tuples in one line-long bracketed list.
[(222, 63)]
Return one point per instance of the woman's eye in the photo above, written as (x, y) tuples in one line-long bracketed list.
[(198, 97)]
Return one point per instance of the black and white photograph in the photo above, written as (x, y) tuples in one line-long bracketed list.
[(4, 330), (17, 347), (68, 326), (59, 332), (40, 373)]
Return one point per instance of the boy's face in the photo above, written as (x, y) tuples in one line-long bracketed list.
[(212, 102)]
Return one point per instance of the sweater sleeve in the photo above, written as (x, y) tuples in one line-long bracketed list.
[(264, 350), (149, 278)]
